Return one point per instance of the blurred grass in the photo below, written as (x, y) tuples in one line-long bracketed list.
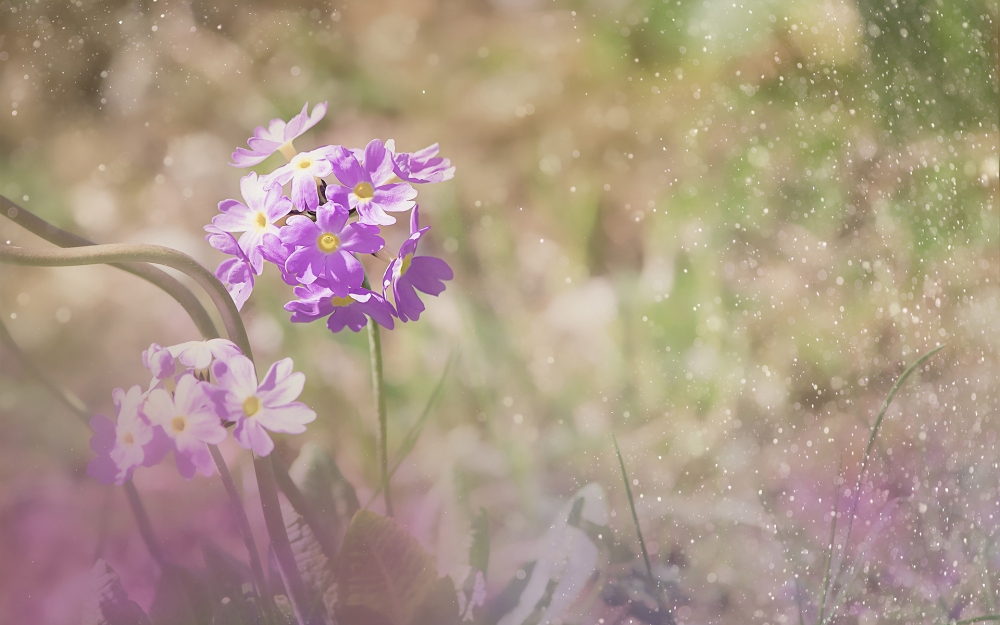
[(719, 228)]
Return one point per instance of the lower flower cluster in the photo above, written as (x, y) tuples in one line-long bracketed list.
[(197, 389)]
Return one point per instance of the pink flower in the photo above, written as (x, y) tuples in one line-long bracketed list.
[(189, 419), (120, 446), (257, 408), (264, 206)]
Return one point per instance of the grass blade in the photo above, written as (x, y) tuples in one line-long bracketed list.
[(871, 443), (414, 434), (635, 519), (833, 537)]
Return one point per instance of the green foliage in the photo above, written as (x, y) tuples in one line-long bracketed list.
[(479, 551), (385, 577), (181, 599), (109, 603), (324, 487)]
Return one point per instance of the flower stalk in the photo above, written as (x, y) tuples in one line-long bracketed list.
[(378, 391)]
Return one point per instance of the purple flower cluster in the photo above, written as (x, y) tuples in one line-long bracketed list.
[(338, 200), (197, 389)]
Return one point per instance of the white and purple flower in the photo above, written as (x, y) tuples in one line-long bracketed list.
[(257, 408), (325, 248), (264, 206), (366, 184), (304, 171), (277, 136), (235, 273), (317, 301), (423, 166), (123, 445), (198, 355), (407, 274), (189, 418)]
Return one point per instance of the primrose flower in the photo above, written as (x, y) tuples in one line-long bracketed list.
[(408, 272), (325, 248), (317, 301), (120, 446), (189, 419), (199, 354), (302, 171), (159, 361), (365, 184), (277, 136), (423, 166), (257, 408), (235, 273), (275, 251), (265, 205)]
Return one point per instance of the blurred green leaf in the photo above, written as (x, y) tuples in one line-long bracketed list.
[(109, 604), (385, 577), (319, 479), (479, 552), (181, 599)]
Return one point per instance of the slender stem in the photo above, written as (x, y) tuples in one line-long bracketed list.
[(635, 517), (871, 443), (167, 283), (126, 253), (142, 519), (244, 524), (275, 522), (78, 408), (829, 555), (978, 619), (378, 390), (411, 437)]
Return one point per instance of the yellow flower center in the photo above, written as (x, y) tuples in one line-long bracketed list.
[(177, 424), (128, 439), (364, 191), (260, 220), (404, 266), (251, 406), (328, 242), (339, 302), (302, 161)]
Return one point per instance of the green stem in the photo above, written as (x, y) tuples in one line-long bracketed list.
[(378, 390), (833, 536), (142, 520), (871, 443), (78, 408), (125, 253), (139, 253), (244, 524), (157, 277), (978, 619), (635, 519)]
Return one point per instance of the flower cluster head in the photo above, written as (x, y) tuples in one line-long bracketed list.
[(197, 389), (315, 215)]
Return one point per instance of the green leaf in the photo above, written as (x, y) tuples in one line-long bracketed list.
[(109, 603), (316, 570), (386, 578), (181, 599), (316, 474), (230, 584)]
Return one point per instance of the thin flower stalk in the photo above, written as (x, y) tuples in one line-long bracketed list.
[(378, 391)]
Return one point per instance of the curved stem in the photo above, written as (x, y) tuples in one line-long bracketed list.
[(123, 253), (139, 253), (378, 390), (157, 277), (244, 522), (867, 457), (77, 407)]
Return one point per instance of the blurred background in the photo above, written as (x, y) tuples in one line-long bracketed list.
[(718, 229)]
